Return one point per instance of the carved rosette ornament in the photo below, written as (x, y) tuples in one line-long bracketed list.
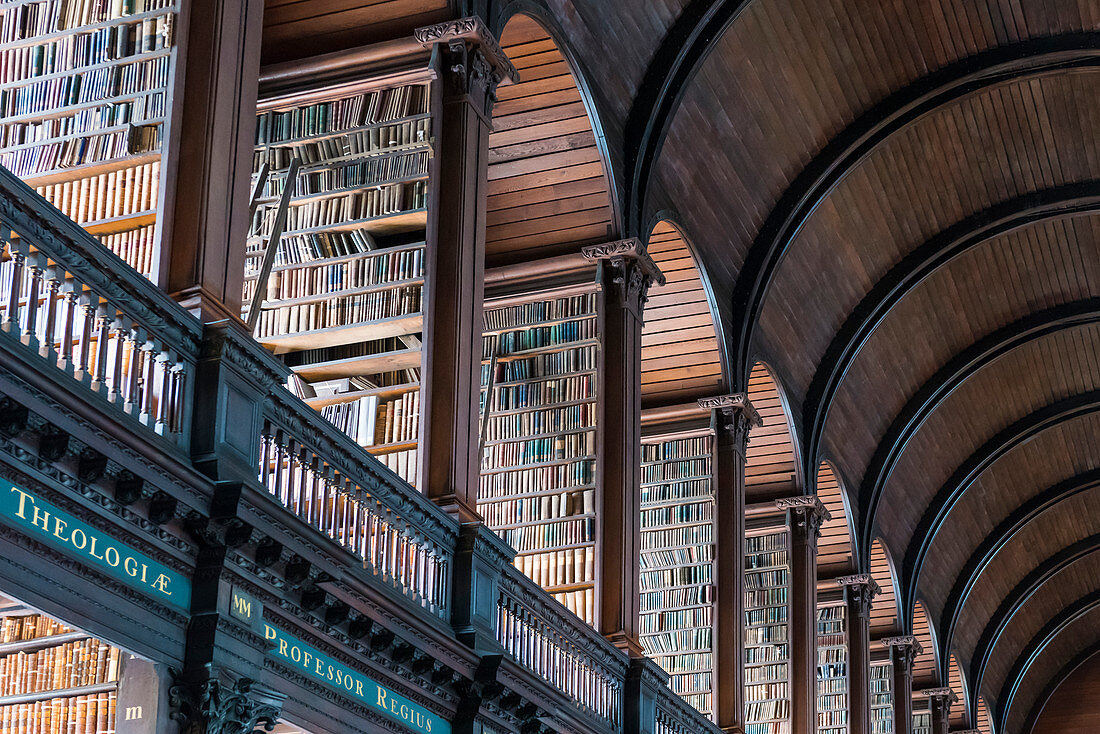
[(903, 649), (476, 63), (237, 707), (734, 415), (861, 589), (630, 269), (807, 515)]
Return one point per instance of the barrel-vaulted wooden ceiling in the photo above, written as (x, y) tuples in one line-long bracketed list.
[(897, 208)]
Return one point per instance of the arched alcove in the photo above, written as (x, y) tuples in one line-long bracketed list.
[(926, 667), (835, 556), (884, 608), (548, 187), (960, 710), (680, 349), (985, 721), (771, 466)]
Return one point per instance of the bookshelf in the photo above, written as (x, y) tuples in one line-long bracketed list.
[(767, 615), (882, 699), (677, 570), (85, 95), (922, 722), (832, 669), (539, 377), (343, 304)]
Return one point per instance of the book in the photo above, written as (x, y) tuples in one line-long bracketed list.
[(832, 669), (767, 645)]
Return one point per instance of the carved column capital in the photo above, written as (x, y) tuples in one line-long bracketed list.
[(734, 415), (224, 706), (861, 589), (475, 65), (629, 269), (807, 515), (944, 695), (904, 649)]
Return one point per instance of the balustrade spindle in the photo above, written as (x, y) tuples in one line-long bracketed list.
[(15, 291), (35, 268), (164, 359), (48, 346), (103, 320), (118, 339), (133, 372), (71, 294), (148, 382), (87, 315)]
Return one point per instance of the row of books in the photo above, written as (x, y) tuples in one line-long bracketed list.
[(74, 51), (664, 620), (766, 597), (91, 714), (832, 681), (771, 691), (769, 542), (339, 311), (922, 723), (343, 351), (694, 512), (135, 246), (766, 635), (765, 579), (766, 673), (108, 195), (674, 537), (537, 337), (767, 615), (680, 576), (539, 450), (99, 84), (557, 478), (352, 175), (84, 121), (768, 654), (359, 272), (581, 602), (552, 364), (336, 211), (670, 470), (533, 395), (684, 640), (550, 535), (370, 421), (30, 627), (349, 145), (568, 567), (882, 708), (675, 450), (694, 552), (70, 152), (341, 114), (549, 506), (313, 246), (766, 560), (687, 663), (69, 665), (535, 312), (774, 708), (403, 463), (517, 426), (49, 16), (767, 707)]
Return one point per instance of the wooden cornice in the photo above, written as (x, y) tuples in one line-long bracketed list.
[(378, 65), (474, 30)]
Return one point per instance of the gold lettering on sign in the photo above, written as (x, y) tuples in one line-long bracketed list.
[(133, 712), (242, 606)]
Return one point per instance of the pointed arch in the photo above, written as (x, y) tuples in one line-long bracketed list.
[(835, 549), (926, 668), (885, 612), (772, 463), (550, 186), (985, 721), (956, 680), (681, 351)]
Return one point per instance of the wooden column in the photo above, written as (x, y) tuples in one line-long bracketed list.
[(470, 65), (903, 652), (625, 271), (733, 417), (859, 591), (939, 702), (805, 516), (205, 216)]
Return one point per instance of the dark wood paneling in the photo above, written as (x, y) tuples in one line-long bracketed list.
[(678, 363), (548, 191), (1075, 706)]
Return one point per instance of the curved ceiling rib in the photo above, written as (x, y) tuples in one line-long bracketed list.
[(1012, 603), (1067, 703), (903, 278), (1022, 516), (885, 617), (548, 188), (845, 152), (681, 358), (1085, 608), (964, 365), (1018, 433)]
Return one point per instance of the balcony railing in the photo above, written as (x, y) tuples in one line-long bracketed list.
[(675, 716), (77, 308), (328, 480)]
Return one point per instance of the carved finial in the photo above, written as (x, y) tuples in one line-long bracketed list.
[(472, 29)]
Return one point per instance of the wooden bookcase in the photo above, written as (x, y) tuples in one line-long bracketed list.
[(344, 302), (767, 629), (677, 564), (540, 378), (56, 678), (832, 667), (85, 109), (922, 718), (882, 699)]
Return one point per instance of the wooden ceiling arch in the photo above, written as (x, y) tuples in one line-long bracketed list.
[(956, 680), (885, 616), (1072, 703), (772, 459), (984, 720), (835, 548), (926, 666)]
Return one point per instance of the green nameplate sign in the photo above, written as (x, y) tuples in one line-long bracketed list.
[(42, 521), (352, 683)]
